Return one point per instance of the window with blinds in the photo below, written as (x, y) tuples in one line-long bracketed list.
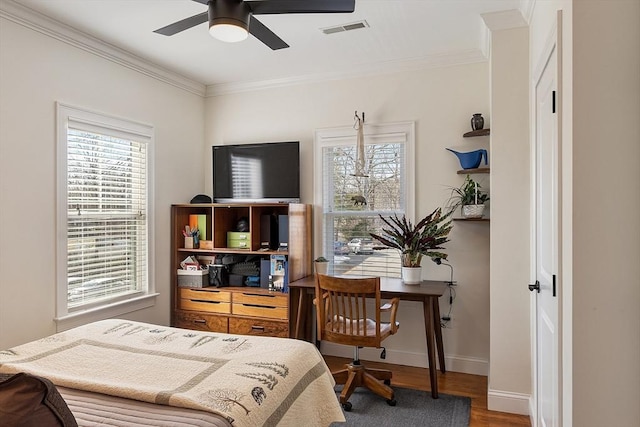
[(106, 211), (352, 204)]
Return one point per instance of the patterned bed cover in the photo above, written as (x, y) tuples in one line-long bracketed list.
[(249, 381)]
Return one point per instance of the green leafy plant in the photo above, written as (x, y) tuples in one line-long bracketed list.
[(466, 194), (321, 259), (417, 241)]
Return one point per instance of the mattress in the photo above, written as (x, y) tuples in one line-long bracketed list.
[(94, 409)]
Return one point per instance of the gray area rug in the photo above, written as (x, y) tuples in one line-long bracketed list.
[(413, 408)]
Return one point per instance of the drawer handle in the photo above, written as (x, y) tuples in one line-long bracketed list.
[(202, 290), (200, 321), (205, 301), (257, 328), (258, 295), (259, 306)]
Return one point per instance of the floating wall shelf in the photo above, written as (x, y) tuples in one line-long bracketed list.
[(476, 170), (479, 132)]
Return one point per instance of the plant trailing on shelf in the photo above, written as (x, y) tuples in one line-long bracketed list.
[(470, 197), (414, 242)]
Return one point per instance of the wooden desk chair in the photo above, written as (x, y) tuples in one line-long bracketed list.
[(343, 319)]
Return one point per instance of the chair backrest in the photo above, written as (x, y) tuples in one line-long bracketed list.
[(342, 310)]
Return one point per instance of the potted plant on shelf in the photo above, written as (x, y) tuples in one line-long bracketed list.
[(470, 197), (417, 241), (322, 265)]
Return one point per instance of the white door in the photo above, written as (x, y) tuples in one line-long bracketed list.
[(547, 243)]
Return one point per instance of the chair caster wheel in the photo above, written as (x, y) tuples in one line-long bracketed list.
[(391, 402), (387, 382), (347, 406)]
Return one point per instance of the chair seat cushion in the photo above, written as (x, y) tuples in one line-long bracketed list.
[(359, 327)]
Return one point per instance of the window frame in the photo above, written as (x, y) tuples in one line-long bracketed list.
[(66, 318), (373, 133)]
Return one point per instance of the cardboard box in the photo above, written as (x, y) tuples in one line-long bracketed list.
[(206, 244), (238, 244), (238, 235), (238, 240), (193, 279)]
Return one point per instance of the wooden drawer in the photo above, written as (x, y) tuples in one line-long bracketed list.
[(205, 295), (258, 327), (208, 306), (211, 301), (260, 311), (255, 298), (201, 322)]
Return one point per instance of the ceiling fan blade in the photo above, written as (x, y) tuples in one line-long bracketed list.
[(185, 24), (301, 6), (265, 35)]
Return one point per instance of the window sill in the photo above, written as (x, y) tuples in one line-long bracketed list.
[(104, 312)]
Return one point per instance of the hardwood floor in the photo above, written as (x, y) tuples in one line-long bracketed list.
[(473, 386)]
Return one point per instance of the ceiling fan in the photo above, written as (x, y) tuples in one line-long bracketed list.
[(233, 20)]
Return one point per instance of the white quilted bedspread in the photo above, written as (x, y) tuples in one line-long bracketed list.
[(251, 381)]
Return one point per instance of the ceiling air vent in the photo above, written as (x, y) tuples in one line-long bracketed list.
[(345, 27)]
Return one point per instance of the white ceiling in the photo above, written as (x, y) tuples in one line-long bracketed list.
[(401, 34)]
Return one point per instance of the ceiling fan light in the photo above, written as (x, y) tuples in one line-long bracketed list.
[(229, 33)]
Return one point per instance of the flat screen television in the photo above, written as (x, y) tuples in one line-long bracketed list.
[(257, 173)]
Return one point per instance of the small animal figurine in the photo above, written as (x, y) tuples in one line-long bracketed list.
[(359, 200)]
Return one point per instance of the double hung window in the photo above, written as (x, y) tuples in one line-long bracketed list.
[(351, 204), (103, 211)]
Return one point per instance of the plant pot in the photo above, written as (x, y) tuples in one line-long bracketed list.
[(322, 267), (412, 275), (472, 211)]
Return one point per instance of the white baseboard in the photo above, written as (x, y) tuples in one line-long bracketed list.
[(454, 363), (533, 413), (513, 403)]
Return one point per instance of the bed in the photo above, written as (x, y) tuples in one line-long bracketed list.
[(125, 373)]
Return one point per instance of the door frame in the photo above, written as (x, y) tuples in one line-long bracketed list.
[(554, 42)]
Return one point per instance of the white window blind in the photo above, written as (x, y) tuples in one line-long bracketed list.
[(107, 225), (351, 205)]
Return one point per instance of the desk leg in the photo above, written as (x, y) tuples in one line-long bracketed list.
[(431, 357), (301, 293), (438, 330)]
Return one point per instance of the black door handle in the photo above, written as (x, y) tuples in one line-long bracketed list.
[(535, 287)]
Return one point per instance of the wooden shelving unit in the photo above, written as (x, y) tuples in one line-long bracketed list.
[(238, 310), (471, 134)]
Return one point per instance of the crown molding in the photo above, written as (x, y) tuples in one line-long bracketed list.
[(35, 21), (527, 7), (504, 20), (388, 67)]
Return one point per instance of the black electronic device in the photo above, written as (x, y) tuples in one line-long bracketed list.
[(283, 232), (257, 173), (268, 232)]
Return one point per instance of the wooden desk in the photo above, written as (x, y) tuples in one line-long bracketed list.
[(300, 310)]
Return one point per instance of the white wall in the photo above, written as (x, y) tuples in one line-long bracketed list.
[(441, 102), (601, 241), (35, 72), (606, 234), (509, 377)]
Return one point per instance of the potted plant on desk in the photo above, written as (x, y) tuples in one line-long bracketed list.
[(417, 241), (322, 265)]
